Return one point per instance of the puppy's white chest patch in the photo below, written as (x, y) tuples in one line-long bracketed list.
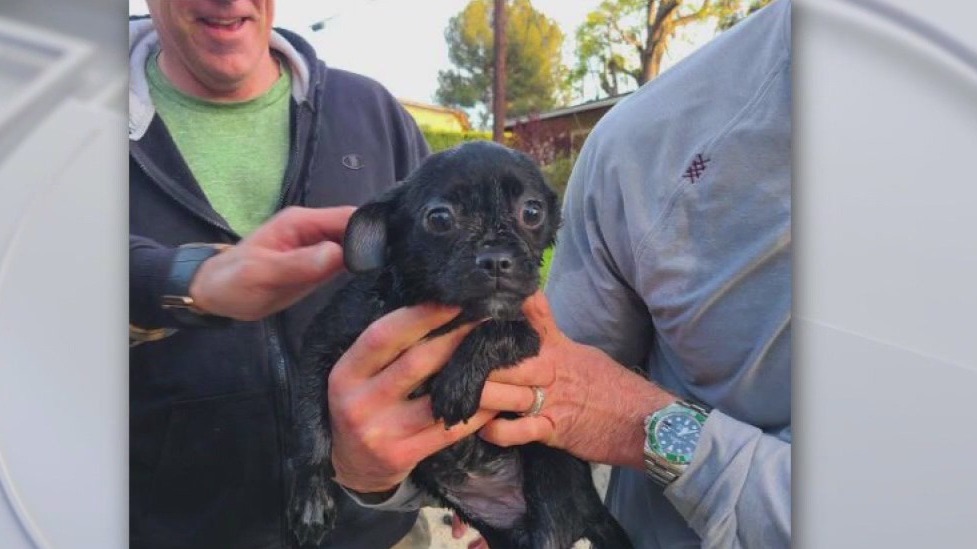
[(494, 497)]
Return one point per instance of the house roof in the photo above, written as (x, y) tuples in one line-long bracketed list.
[(457, 113), (572, 109)]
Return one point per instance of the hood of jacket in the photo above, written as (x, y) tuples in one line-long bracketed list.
[(144, 41)]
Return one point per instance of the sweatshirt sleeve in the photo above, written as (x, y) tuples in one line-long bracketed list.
[(407, 498), (149, 266), (736, 491)]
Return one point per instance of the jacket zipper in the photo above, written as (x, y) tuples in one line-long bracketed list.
[(275, 326), (152, 174), (293, 167), (278, 352), (280, 369)]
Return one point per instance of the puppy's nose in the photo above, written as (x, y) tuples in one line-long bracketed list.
[(495, 263)]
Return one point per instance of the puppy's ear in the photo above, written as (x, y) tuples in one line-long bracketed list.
[(365, 244), (556, 214)]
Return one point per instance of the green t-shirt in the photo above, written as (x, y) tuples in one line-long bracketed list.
[(237, 151)]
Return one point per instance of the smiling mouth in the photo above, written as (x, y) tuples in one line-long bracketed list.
[(223, 24)]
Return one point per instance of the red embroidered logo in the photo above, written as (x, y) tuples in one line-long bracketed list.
[(696, 168)]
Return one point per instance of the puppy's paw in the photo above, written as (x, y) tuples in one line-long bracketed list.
[(312, 511), (453, 399)]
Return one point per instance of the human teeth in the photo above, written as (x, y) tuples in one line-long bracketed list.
[(222, 22)]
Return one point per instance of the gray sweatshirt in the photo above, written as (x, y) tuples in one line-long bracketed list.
[(675, 257)]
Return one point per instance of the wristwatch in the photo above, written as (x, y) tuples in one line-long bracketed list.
[(671, 436), (176, 290)]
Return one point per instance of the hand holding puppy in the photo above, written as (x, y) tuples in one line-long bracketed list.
[(379, 434), (594, 407)]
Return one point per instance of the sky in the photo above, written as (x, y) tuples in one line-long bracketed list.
[(401, 43)]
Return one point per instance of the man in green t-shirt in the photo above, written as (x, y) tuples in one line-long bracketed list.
[(247, 156)]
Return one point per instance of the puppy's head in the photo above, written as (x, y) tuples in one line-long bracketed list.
[(467, 228)]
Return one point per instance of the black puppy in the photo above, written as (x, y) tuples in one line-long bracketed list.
[(467, 228)]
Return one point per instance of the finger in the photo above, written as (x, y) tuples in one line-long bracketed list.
[(458, 528), (309, 265), (420, 362), (539, 315), (390, 336), (436, 437), (413, 416), (528, 372), (507, 398), (296, 227), (513, 432)]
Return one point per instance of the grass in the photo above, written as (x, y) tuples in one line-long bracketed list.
[(544, 270)]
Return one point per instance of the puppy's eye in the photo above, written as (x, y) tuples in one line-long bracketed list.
[(532, 214), (439, 220)]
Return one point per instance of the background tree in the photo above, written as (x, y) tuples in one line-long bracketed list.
[(535, 77), (732, 16), (622, 42)]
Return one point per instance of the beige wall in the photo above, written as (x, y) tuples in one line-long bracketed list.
[(438, 120)]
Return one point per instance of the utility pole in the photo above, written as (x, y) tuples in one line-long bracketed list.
[(498, 77)]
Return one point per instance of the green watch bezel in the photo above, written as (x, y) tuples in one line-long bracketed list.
[(652, 444)]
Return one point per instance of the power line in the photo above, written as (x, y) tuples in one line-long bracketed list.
[(321, 24)]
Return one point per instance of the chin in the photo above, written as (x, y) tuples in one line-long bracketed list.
[(229, 68), (500, 307)]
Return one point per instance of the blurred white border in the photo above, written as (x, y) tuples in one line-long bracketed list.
[(51, 83), (884, 368)]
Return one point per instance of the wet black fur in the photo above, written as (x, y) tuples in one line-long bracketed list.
[(401, 262)]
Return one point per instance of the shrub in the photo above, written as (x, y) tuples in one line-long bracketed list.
[(555, 162), (441, 140), (557, 172)]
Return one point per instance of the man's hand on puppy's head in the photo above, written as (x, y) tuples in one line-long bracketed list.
[(276, 266)]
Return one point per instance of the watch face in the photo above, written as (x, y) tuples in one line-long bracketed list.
[(675, 435)]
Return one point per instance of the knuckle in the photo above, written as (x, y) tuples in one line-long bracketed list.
[(413, 366), (384, 392), (290, 213), (376, 337), (356, 417), (254, 272), (349, 415), (360, 433)]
